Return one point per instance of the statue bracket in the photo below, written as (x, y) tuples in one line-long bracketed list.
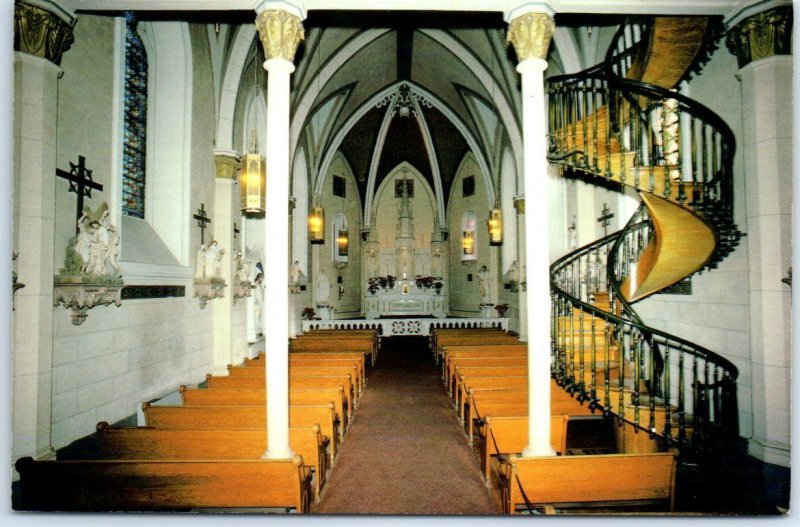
[(79, 295), (205, 290), (242, 289)]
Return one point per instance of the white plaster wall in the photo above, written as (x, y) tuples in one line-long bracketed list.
[(122, 356), (350, 304), (716, 315), (85, 108), (464, 294)]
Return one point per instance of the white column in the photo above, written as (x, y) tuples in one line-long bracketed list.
[(43, 37), (522, 297), (280, 34), (530, 34), (763, 50), (225, 200)]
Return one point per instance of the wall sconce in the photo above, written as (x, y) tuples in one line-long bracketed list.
[(316, 225), (253, 184), (468, 242), (495, 226), (341, 241)]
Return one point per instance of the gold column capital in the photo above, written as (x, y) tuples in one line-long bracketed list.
[(530, 34), (761, 36), (41, 33), (519, 205), (227, 165), (280, 33)]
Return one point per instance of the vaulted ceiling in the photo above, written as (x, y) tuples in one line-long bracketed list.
[(349, 58)]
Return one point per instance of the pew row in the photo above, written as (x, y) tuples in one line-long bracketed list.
[(258, 397), (502, 436), (513, 403), (458, 364), (335, 343), (215, 417), (314, 360), (450, 352), (318, 359), (163, 485), (473, 337), (141, 442), (586, 482), (295, 382), (347, 372)]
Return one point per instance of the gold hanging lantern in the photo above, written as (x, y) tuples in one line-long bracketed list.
[(495, 226), (316, 225), (253, 184), (342, 240), (468, 242)]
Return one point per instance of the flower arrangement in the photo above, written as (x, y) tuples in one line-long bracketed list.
[(428, 282), (308, 313), (380, 282), (501, 309)]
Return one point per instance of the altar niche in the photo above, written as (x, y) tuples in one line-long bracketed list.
[(402, 229), (405, 251)]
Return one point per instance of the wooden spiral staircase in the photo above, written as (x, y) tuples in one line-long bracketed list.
[(621, 124)]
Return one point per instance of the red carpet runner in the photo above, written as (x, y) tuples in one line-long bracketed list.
[(405, 452)]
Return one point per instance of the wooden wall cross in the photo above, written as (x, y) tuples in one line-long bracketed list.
[(235, 230), (80, 182), (202, 220)]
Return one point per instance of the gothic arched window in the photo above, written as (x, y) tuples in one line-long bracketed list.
[(135, 121)]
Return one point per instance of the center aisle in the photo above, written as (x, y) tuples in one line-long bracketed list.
[(405, 452)]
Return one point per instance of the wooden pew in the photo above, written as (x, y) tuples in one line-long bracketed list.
[(335, 344), (611, 480), (509, 435), (486, 371), (508, 388), (484, 337), (214, 417), (519, 382), (309, 357), (258, 397), (320, 360), (458, 363), (214, 381), (497, 403), (163, 485), (348, 372), (492, 350), (141, 442)]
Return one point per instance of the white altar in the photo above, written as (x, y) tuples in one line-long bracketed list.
[(411, 302)]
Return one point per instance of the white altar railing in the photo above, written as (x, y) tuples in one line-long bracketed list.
[(393, 327)]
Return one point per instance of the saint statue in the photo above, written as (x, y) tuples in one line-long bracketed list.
[(436, 261), (295, 272), (323, 289), (84, 238), (258, 301), (98, 246), (113, 250), (200, 262), (483, 284), (212, 264), (372, 262)]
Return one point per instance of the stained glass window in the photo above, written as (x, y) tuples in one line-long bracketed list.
[(135, 115)]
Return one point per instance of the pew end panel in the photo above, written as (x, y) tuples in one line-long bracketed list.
[(588, 483), (163, 485)]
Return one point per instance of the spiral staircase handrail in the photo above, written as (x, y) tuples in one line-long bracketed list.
[(688, 346)]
